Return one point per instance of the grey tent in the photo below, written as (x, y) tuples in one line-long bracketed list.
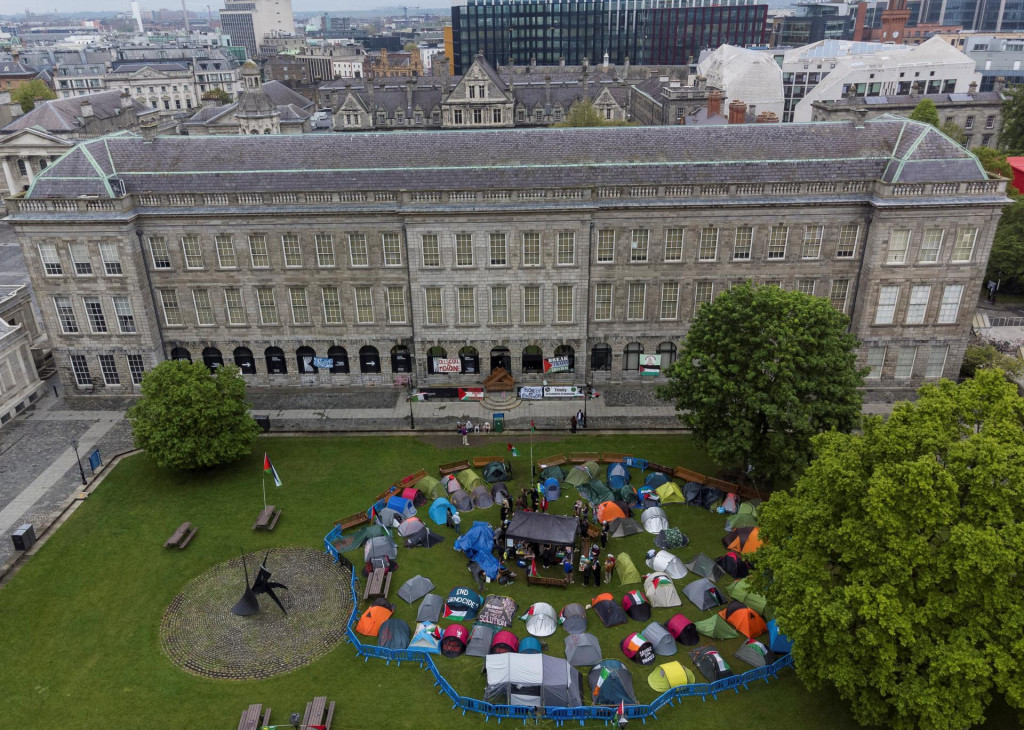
[(496, 471), (415, 588), (461, 500), (430, 608), (611, 683), (394, 634), (552, 472), (540, 527), (410, 527), (389, 518), (623, 527), (574, 618), (423, 538), (691, 493), (480, 640), (704, 566), (379, 547), (671, 539), (703, 594), (499, 492), (654, 520), (755, 653), (661, 640), (532, 680), (710, 663), (481, 497), (582, 650)]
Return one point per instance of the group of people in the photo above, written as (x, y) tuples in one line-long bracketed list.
[(590, 566), (577, 421), (464, 429)]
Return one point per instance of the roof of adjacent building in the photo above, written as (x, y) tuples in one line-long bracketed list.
[(291, 105), (888, 148), (65, 115), (908, 100)]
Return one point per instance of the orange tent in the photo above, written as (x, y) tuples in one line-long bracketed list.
[(743, 540), (745, 620), (608, 511), (370, 621)]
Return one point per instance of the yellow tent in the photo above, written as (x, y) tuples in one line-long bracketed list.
[(669, 492), (668, 676)]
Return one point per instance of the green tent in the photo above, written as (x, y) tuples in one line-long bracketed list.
[(716, 627), (740, 591), (669, 492), (356, 538), (596, 492), (469, 479), (625, 569), (432, 488), (581, 474), (746, 516), (552, 472)]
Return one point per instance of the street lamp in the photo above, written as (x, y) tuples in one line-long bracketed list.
[(412, 418), (586, 397), (81, 471)]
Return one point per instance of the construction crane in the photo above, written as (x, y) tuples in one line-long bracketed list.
[(406, 9)]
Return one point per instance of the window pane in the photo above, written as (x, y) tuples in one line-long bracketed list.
[(435, 313), (531, 249), (111, 259), (936, 361), (905, 362), (300, 305), (258, 252), (467, 305), (708, 244), (837, 293), (431, 250), (109, 370), (193, 253), (563, 303), (364, 305), (499, 251), (566, 252), (899, 241), (136, 368), (605, 246), (158, 249), (811, 248), (777, 240), (703, 291), (233, 303), (950, 305), (964, 249), (65, 315), (918, 304), (80, 367), (332, 305), (226, 252), (640, 239), (463, 249), (744, 243), (887, 297), (268, 306), (499, 305), (51, 261), (635, 296), (124, 314), (531, 304), (80, 259), (674, 244), (805, 286), (603, 301), (876, 360), (846, 246), (204, 309), (392, 243), (292, 251), (669, 300), (931, 244), (172, 312), (358, 254), (396, 304)]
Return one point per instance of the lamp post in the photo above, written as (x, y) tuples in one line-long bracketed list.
[(412, 418), (81, 471), (586, 397)]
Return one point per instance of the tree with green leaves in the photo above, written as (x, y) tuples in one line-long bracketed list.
[(1006, 261), (28, 93), (926, 112), (987, 357), (218, 95), (897, 563), (760, 372), (954, 131), (189, 418), (585, 114), (1011, 136)]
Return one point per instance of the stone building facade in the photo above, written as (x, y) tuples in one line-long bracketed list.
[(381, 258), (19, 334)]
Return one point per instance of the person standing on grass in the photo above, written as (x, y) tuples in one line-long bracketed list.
[(585, 569), (504, 510), (604, 534), (595, 568), (567, 567), (457, 523), (609, 566), (533, 499)]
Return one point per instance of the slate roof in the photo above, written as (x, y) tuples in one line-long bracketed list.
[(889, 148), (131, 67), (990, 97), (65, 115), (291, 106)]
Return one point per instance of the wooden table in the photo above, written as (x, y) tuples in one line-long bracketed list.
[(182, 536), (268, 518), (251, 718), (316, 711)]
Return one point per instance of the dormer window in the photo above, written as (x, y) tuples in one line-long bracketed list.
[(472, 92)]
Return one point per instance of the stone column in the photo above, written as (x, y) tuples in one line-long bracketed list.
[(28, 170), (9, 176)]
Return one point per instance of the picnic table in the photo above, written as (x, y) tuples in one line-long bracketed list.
[(182, 536), (540, 580), (268, 518), (378, 583), (251, 718), (319, 713)]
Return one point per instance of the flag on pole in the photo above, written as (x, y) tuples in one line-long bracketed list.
[(513, 450), (622, 708), (532, 426), (268, 468)]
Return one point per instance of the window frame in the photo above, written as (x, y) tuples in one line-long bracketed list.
[(531, 258), (136, 368), (599, 303), (937, 249), (291, 250), (565, 248), (874, 374), (257, 240), (431, 308), (83, 248), (960, 234), (564, 310), (124, 314), (946, 305), (885, 307), (297, 306), (810, 248), (898, 256), (929, 370), (80, 369), (674, 300), (225, 244), (164, 263), (635, 304), (67, 319), (773, 243), (463, 246), (465, 298), (231, 308), (169, 302), (743, 232), (842, 241), (112, 266), (361, 307), (917, 310), (196, 294), (532, 309), (499, 306), (674, 249), (108, 370), (358, 248), (433, 249), (698, 300), (58, 266), (498, 243), (396, 307), (639, 245), (391, 249), (907, 369), (709, 244), (605, 246), (192, 240)]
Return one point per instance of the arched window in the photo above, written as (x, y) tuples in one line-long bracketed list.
[(369, 359), (276, 364), (401, 360), (501, 357), (433, 355), (470, 359), (245, 361), (667, 350), (601, 357), (180, 353), (212, 358), (533, 359), (632, 360), (339, 356), (569, 352), (304, 357)]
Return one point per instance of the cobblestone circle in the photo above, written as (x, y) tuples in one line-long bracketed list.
[(199, 633)]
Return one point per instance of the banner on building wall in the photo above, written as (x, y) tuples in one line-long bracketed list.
[(323, 362), (447, 365), (650, 364), (471, 393), (562, 391), (531, 392), (556, 364)]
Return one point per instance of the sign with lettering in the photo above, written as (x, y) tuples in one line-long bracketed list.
[(531, 392), (562, 391), (447, 365)]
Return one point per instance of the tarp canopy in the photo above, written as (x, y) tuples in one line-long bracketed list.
[(533, 680), (394, 634), (704, 566), (716, 627), (496, 471), (439, 510), (370, 622), (661, 640), (671, 539), (427, 638), (582, 650), (402, 506), (541, 619), (744, 540), (415, 588), (423, 538), (682, 629), (610, 511), (497, 611), (504, 641), (573, 618), (480, 640), (430, 487), (710, 663), (410, 527), (660, 590), (625, 570), (596, 492), (670, 675), (611, 683), (356, 538), (470, 479), (665, 562), (581, 474), (462, 501), (746, 516), (638, 648), (703, 594), (744, 619), (380, 547), (430, 608), (778, 642), (530, 645), (609, 610), (740, 591), (733, 564), (636, 605), (451, 483), (481, 497), (552, 472), (542, 528), (755, 653), (670, 493), (454, 640), (623, 526), (654, 520)]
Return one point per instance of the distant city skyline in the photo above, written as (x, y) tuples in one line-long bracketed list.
[(198, 6)]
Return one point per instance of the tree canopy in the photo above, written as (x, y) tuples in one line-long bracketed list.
[(190, 419), (896, 565), (1011, 136), (926, 112), (585, 114), (218, 95), (987, 357), (760, 372), (28, 93)]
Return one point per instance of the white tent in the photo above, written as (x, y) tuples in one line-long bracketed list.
[(666, 562), (410, 527), (451, 483), (660, 591), (532, 680), (542, 619), (654, 520)]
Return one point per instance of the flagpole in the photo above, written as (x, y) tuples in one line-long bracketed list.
[(532, 472), (264, 480)]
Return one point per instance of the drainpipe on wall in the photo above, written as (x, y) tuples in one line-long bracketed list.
[(152, 294), (860, 271)]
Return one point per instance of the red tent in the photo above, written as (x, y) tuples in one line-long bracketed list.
[(415, 495), (638, 648), (504, 642), (454, 640), (683, 629)]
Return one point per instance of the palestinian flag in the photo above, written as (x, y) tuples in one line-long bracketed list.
[(471, 393), (268, 468), (452, 615), (418, 396)]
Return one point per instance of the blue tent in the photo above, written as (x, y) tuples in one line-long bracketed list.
[(375, 508), (477, 544), (552, 488), (779, 643), (402, 506), (530, 645), (439, 510), (618, 476), (655, 479)]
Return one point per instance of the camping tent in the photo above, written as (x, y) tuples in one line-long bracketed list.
[(573, 618), (552, 489), (497, 611), (654, 520), (504, 642), (532, 680), (610, 511), (402, 506), (730, 503), (705, 567), (666, 562), (496, 471), (580, 474), (740, 591), (540, 527), (451, 483), (611, 683), (552, 472), (778, 642), (669, 492), (453, 641), (423, 538), (379, 547), (469, 479), (462, 501), (746, 516), (596, 492), (661, 640), (655, 479), (733, 564), (356, 538), (499, 493), (480, 640), (370, 622), (462, 603), (477, 544), (430, 488), (609, 610), (481, 497), (710, 663), (744, 540), (744, 619), (430, 608), (427, 638), (582, 650), (638, 648), (415, 588), (691, 493), (618, 475), (636, 605), (413, 495), (755, 653), (716, 627), (671, 539), (623, 526), (439, 510), (670, 675), (647, 497), (703, 594), (660, 590), (530, 645), (410, 527), (394, 634), (682, 629), (541, 619), (625, 570), (388, 518)]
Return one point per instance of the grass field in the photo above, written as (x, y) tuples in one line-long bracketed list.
[(81, 620)]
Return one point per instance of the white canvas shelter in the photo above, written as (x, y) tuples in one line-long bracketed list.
[(666, 562), (532, 680), (543, 620), (660, 591), (654, 520)]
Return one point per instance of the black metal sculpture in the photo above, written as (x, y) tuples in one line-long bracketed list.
[(248, 604)]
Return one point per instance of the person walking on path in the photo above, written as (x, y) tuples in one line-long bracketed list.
[(567, 568), (572, 424), (581, 420), (457, 523), (604, 535), (609, 566)]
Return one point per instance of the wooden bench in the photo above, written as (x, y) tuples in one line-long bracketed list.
[(315, 712), (182, 536), (378, 583), (539, 580), (251, 718), (389, 492), (354, 520), (479, 461), (268, 518), (412, 479), (556, 460), (453, 467), (583, 457), (660, 467), (612, 458)]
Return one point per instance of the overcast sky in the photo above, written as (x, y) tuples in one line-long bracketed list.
[(302, 6)]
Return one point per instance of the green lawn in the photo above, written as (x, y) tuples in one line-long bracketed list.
[(80, 622)]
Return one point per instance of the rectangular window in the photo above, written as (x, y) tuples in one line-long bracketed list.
[(111, 259), (708, 250), (392, 245), (193, 253), (158, 250), (744, 243), (431, 250), (94, 311), (109, 370), (136, 368), (931, 244), (300, 305), (805, 286), (887, 297), (463, 249), (80, 259), (899, 242), (846, 246), (640, 239), (605, 246), (499, 304), (603, 302), (964, 248), (777, 240), (357, 251), (674, 244), (66, 315), (949, 308), (565, 254), (324, 250), (267, 305), (234, 306), (936, 361), (531, 249), (669, 300), (905, 362), (563, 303), (531, 304), (811, 248), (396, 305), (435, 311), (258, 252), (635, 296), (467, 305), (124, 314), (226, 258), (876, 360), (292, 251), (918, 304), (364, 305), (80, 367), (332, 305), (499, 250), (702, 293), (837, 293), (172, 312)]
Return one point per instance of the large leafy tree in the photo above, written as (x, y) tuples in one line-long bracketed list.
[(1011, 137), (896, 565), (28, 93), (190, 419), (926, 112), (982, 357), (760, 372)]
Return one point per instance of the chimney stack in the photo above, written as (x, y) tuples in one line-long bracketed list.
[(999, 84), (767, 118), (715, 103), (973, 87), (126, 100), (148, 130), (87, 110), (737, 112), (547, 91), (409, 86), (860, 118)]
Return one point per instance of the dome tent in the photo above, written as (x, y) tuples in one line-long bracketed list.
[(671, 539), (733, 564), (499, 492), (541, 619), (394, 634), (481, 497), (777, 641), (462, 603), (636, 605), (661, 640), (655, 479), (470, 479), (704, 566), (716, 627), (617, 475), (410, 527), (427, 638), (660, 590), (625, 570), (610, 511), (430, 608), (423, 537), (496, 471), (744, 540), (388, 518), (530, 645), (730, 503), (665, 562), (552, 472), (497, 611), (710, 663), (623, 527), (582, 650), (669, 493), (379, 548), (480, 640), (746, 516), (745, 620), (740, 591), (462, 501), (451, 483), (573, 618), (439, 510), (683, 629), (504, 642), (370, 622), (637, 648), (552, 489), (611, 683), (654, 520), (415, 496), (609, 610), (453, 641), (415, 588), (755, 653), (402, 506), (667, 676), (703, 594), (430, 488)]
